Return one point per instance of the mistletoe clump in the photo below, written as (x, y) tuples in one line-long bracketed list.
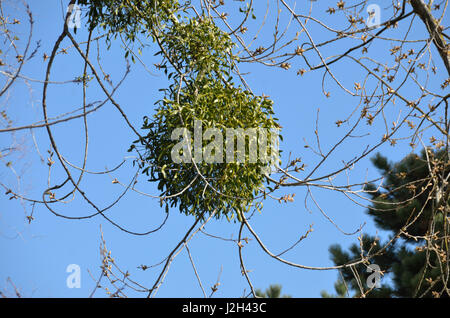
[(129, 17), (202, 91), (223, 187)]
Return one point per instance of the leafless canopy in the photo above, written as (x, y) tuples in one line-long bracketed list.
[(394, 65)]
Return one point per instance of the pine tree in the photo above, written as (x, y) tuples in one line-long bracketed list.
[(341, 290), (274, 291), (412, 205)]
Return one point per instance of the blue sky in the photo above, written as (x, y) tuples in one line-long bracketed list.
[(35, 256)]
